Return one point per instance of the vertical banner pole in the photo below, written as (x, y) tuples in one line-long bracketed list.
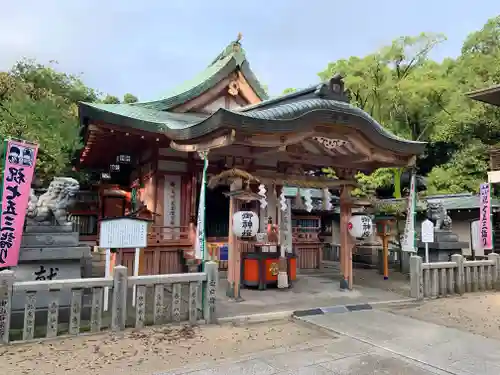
[(409, 237), (136, 272), (200, 252), (106, 275)]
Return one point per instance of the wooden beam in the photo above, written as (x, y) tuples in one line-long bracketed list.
[(302, 181), (246, 90), (205, 98), (221, 141)]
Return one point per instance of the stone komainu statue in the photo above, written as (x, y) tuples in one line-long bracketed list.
[(51, 208), (438, 215)]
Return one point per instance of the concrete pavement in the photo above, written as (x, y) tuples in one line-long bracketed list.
[(370, 342), (336, 355), (447, 349)]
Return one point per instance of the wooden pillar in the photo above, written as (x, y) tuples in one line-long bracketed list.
[(234, 261), (345, 240)]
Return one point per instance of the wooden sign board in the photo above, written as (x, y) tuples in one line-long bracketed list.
[(124, 233)]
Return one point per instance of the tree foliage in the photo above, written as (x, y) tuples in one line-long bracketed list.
[(39, 103), (399, 85), (129, 98), (421, 99)]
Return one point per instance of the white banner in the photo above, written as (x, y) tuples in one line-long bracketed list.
[(409, 236), (286, 227), (200, 226)]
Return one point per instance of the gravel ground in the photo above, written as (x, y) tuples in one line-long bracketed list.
[(150, 350), (474, 312)]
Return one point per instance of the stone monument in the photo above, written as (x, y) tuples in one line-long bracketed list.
[(446, 243), (50, 248)]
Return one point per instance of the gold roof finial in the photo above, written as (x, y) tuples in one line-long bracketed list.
[(240, 36)]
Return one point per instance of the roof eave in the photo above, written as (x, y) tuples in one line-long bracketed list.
[(490, 95)]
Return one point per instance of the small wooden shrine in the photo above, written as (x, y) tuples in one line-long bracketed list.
[(224, 115)]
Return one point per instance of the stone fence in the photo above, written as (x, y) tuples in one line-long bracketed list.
[(159, 299), (441, 279)]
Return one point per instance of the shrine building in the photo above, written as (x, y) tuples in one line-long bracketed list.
[(150, 156)]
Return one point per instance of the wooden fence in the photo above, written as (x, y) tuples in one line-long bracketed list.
[(148, 308), (440, 279)]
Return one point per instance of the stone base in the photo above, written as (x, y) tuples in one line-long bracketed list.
[(282, 280), (50, 253), (446, 246), (35, 254), (44, 270), (48, 229), (47, 238), (439, 255)]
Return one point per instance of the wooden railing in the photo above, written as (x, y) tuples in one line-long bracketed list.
[(168, 235), (439, 279), (159, 299)]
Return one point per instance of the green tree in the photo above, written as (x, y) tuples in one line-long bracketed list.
[(288, 91), (129, 98), (111, 99), (38, 103), (463, 173), (400, 87)]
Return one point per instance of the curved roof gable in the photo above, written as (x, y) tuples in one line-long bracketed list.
[(230, 59)]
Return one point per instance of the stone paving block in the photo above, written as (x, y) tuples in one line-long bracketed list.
[(251, 367), (344, 347), (375, 363), (295, 360), (475, 366), (309, 370)]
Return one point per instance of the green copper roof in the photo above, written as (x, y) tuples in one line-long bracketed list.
[(231, 58), (325, 103)]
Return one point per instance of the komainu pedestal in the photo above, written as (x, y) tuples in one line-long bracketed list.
[(50, 248), (446, 243)]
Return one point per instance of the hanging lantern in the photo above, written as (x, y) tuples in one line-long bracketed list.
[(245, 224), (262, 193), (283, 200), (308, 200), (360, 226)]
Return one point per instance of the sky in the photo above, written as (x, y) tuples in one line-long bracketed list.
[(147, 47)]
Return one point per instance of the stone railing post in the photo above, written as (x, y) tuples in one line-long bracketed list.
[(459, 273), (6, 281), (119, 302), (416, 277), (210, 285), (495, 270)]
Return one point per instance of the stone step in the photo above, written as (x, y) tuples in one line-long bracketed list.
[(69, 239)]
